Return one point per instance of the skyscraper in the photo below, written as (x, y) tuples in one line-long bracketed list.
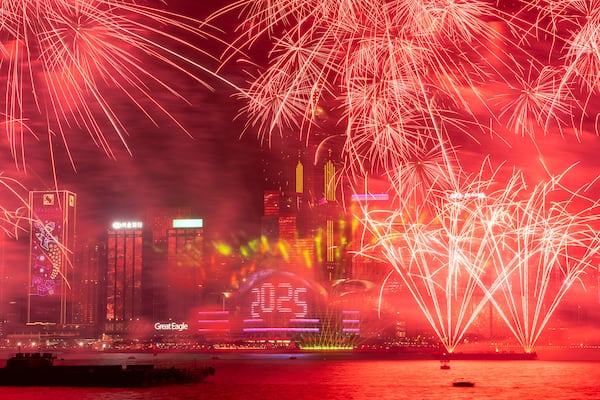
[(52, 216), (124, 275), (185, 259), (90, 285), (333, 228)]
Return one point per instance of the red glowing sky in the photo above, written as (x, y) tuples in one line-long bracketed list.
[(208, 168), (213, 170)]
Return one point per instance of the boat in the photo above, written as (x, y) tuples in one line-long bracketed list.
[(462, 383), (444, 364), (38, 369)]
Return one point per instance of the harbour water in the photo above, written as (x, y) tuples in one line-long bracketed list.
[(311, 377)]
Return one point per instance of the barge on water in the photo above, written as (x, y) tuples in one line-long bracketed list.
[(38, 369)]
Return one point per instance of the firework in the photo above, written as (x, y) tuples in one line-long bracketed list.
[(14, 208), (393, 76), (64, 60), (542, 246), (519, 249), (435, 246), (534, 103), (405, 82)]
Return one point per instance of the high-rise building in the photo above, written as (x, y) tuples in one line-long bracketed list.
[(173, 260), (184, 267), (52, 240), (333, 229), (155, 268), (124, 275), (270, 218), (89, 285)]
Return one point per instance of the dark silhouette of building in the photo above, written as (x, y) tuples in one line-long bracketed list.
[(89, 285)]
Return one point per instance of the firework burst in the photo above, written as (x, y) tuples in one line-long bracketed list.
[(63, 60), (542, 246), (395, 75), (534, 106), (518, 248)]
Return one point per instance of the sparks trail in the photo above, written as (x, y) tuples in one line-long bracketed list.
[(395, 75), (63, 60), (520, 249), (14, 208), (546, 250)]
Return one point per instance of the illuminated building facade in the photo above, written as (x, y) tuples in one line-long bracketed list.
[(155, 268), (174, 257), (52, 240), (270, 218), (289, 193), (185, 259), (158, 221), (124, 275), (333, 228)]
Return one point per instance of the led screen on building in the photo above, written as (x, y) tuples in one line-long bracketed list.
[(46, 263), (52, 235), (275, 303), (47, 244)]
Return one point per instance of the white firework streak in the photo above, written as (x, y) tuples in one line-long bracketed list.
[(63, 57), (542, 245), (455, 252), (389, 72), (14, 208)]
